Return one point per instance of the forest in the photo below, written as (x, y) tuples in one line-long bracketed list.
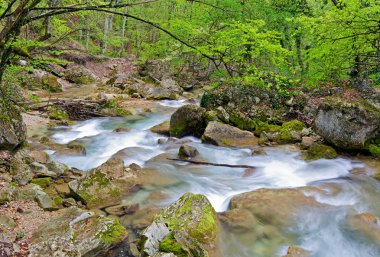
[(190, 128)]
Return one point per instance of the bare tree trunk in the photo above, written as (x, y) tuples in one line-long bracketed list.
[(47, 21), (123, 31)]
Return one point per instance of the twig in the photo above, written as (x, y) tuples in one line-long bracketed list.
[(214, 164)]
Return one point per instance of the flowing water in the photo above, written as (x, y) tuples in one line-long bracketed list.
[(323, 232)]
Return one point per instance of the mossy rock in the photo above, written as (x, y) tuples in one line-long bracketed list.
[(58, 114), (95, 190), (374, 150), (194, 214), (188, 120), (186, 228), (264, 126), (242, 121), (42, 182), (319, 151), (50, 83), (290, 132)]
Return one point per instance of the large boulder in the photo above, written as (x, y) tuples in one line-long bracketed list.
[(225, 135), (188, 120), (80, 75), (188, 227), (12, 127), (76, 232), (95, 190), (347, 125)]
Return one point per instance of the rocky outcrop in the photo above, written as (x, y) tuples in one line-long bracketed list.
[(12, 127), (225, 135), (188, 120), (76, 232), (188, 227), (347, 125), (45, 80)]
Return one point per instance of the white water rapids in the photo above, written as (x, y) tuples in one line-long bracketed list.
[(322, 233)]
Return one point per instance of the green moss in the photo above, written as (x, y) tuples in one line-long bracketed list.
[(374, 150), (113, 105), (177, 131), (294, 125), (377, 176), (170, 245), (318, 151), (264, 126), (242, 121), (57, 201), (114, 232), (42, 182), (57, 114)]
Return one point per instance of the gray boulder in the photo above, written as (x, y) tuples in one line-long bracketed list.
[(347, 125), (188, 120), (225, 135)]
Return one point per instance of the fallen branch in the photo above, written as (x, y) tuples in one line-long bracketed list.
[(214, 164)]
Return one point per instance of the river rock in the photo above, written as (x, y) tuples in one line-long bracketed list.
[(95, 190), (188, 227), (226, 135), (19, 168), (171, 84), (113, 168), (188, 120), (265, 204), (77, 147), (187, 151), (319, 151), (157, 93), (40, 156), (12, 127), (122, 209), (41, 170), (80, 75), (295, 251), (76, 232), (365, 224), (347, 125), (162, 128)]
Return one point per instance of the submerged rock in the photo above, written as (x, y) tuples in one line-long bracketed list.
[(76, 232), (188, 227), (188, 120), (347, 125), (225, 135), (265, 204), (365, 224)]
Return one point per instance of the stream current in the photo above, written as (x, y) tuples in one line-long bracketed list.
[(323, 233)]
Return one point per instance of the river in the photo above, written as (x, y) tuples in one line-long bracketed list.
[(323, 232)]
